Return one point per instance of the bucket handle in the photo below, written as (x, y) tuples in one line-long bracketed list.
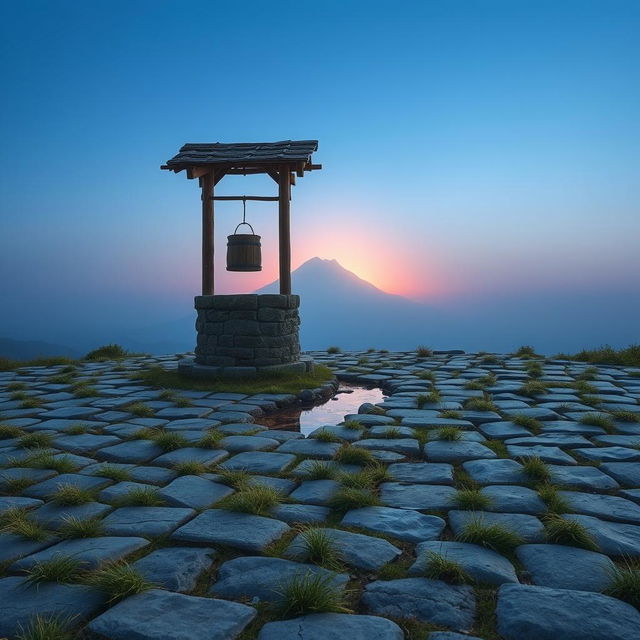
[(248, 225)]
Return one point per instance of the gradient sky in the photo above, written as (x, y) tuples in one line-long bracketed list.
[(479, 150)]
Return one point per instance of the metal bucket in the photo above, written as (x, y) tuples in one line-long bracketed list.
[(244, 252)]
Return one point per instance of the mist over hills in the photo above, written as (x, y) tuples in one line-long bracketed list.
[(338, 307)]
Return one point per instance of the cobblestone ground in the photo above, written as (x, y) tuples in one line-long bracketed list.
[(486, 497)]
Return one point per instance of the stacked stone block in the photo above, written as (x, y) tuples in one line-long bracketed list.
[(247, 330)]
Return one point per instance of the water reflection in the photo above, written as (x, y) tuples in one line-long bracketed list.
[(307, 419)]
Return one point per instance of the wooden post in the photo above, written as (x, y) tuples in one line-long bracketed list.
[(207, 233), (284, 228)]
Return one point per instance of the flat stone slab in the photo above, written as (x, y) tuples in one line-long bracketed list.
[(483, 565), (552, 455), (541, 613), (116, 492), (495, 471), (302, 513), (310, 447), (503, 430), (146, 521), (417, 496), (53, 516), (317, 492), (422, 472), (191, 454), (134, 451), (456, 451), (582, 477), (49, 487), (562, 567), (259, 461), (264, 578), (14, 547), (194, 492), (626, 473), (513, 499), (402, 524), (152, 475), (20, 603), (183, 413), (237, 444), (159, 615), (175, 568), (72, 413), (18, 502), (240, 530), (84, 442), (609, 454), (613, 538), (426, 600), (90, 552), (332, 626), (602, 506), (527, 526), (405, 446), (356, 549)]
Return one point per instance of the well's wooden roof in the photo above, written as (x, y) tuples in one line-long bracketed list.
[(240, 156)]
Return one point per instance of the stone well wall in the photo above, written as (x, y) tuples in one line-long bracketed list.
[(247, 330)]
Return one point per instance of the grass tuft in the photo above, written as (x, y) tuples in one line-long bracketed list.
[(348, 498), (448, 433), (353, 425), (47, 628), (139, 409), (257, 499), (348, 454), (73, 527), (310, 593), (333, 349), (480, 404), (189, 468), (493, 536), (140, 497), (427, 398), (556, 504), (536, 469), (451, 414), (439, 567), (533, 388), (601, 420), (18, 522), (35, 440), (8, 431), (59, 568), (107, 352), (626, 416), (320, 549), (324, 435), (319, 470), (119, 581), (625, 583), (471, 499), (71, 495), (569, 532), (423, 352), (535, 426), (211, 440), (236, 478), (113, 472)]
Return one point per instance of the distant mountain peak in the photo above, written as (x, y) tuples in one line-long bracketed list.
[(329, 275)]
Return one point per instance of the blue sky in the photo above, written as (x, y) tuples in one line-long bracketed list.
[(472, 151)]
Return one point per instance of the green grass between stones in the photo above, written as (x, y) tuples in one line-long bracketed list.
[(71, 495), (140, 497), (113, 472), (601, 420), (448, 433), (18, 522), (60, 568), (625, 582), (471, 499), (319, 470), (348, 454), (491, 535), (257, 499), (569, 532), (536, 469), (628, 357), (119, 581), (160, 378), (320, 549), (8, 431), (527, 422), (439, 567), (348, 498), (310, 593), (549, 494), (47, 628), (73, 527)]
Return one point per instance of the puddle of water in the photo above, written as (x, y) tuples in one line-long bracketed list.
[(307, 419)]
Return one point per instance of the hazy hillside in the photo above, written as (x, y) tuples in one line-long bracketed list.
[(29, 349), (338, 307)]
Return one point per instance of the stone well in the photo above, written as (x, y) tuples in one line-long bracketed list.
[(245, 334)]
